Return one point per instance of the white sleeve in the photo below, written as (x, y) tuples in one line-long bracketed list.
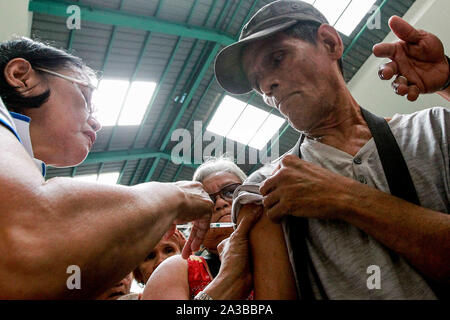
[(6, 119)]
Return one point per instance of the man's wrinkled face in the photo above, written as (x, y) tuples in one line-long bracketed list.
[(292, 75)]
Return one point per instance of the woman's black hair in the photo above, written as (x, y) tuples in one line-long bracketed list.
[(39, 55)]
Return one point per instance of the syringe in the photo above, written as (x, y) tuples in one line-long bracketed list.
[(212, 225)]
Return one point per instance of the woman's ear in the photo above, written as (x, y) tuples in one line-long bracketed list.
[(330, 38), (19, 74)]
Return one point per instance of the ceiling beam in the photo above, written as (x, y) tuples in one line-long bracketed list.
[(129, 20), (136, 154)]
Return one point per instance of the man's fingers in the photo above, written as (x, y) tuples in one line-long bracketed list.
[(271, 199), (413, 93), (276, 212), (400, 85), (384, 50), (388, 70), (403, 30)]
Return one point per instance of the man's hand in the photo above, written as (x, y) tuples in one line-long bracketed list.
[(300, 188), (197, 207), (418, 60)]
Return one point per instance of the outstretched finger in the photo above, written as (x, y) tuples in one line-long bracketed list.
[(187, 249), (403, 30), (384, 50)]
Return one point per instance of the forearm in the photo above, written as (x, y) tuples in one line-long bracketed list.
[(105, 230), (420, 235)]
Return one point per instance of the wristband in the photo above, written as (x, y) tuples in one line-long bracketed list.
[(447, 84), (203, 296)]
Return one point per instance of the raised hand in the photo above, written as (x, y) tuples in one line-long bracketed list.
[(418, 60)]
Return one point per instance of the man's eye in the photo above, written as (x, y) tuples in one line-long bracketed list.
[(277, 57)]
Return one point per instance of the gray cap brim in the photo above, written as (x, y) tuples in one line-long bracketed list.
[(228, 67)]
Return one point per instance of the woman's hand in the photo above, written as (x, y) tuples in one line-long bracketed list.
[(197, 207)]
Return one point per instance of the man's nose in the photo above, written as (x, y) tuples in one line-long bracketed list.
[(269, 84)]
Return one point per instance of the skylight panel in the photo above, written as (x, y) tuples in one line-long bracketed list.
[(105, 177), (268, 129), (226, 115), (331, 9), (244, 123), (136, 103), (86, 177), (352, 15), (247, 124), (344, 15), (108, 99), (108, 177)]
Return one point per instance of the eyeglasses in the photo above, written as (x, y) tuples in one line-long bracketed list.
[(84, 83), (226, 193)]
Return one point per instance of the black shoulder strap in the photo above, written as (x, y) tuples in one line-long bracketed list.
[(394, 165), (400, 184)]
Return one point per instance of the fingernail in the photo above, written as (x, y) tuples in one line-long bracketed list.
[(380, 74)]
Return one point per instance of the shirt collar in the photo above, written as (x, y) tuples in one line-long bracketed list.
[(22, 124)]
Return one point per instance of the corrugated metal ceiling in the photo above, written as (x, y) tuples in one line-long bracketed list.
[(179, 65)]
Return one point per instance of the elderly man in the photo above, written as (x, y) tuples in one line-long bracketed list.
[(369, 195)]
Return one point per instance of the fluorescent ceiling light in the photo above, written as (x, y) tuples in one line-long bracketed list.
[(106, 177), (244, 123), (109, 98)]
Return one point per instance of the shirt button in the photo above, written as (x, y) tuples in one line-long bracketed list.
[(362, 179), (357, 160)]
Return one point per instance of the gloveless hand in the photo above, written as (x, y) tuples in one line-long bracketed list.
[(418, 60), (300, 188), (197, 207)]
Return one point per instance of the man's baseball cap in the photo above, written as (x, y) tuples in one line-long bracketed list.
[(270, 19)]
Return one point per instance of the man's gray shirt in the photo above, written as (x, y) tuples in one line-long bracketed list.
[(343, 255)]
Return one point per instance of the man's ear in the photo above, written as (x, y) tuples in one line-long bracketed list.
[(329, 37), (19, 74)]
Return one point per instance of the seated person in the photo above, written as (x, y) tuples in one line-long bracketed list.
[(180, 279)]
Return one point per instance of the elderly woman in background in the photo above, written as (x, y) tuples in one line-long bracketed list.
[(179, 279), (163, 250)]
